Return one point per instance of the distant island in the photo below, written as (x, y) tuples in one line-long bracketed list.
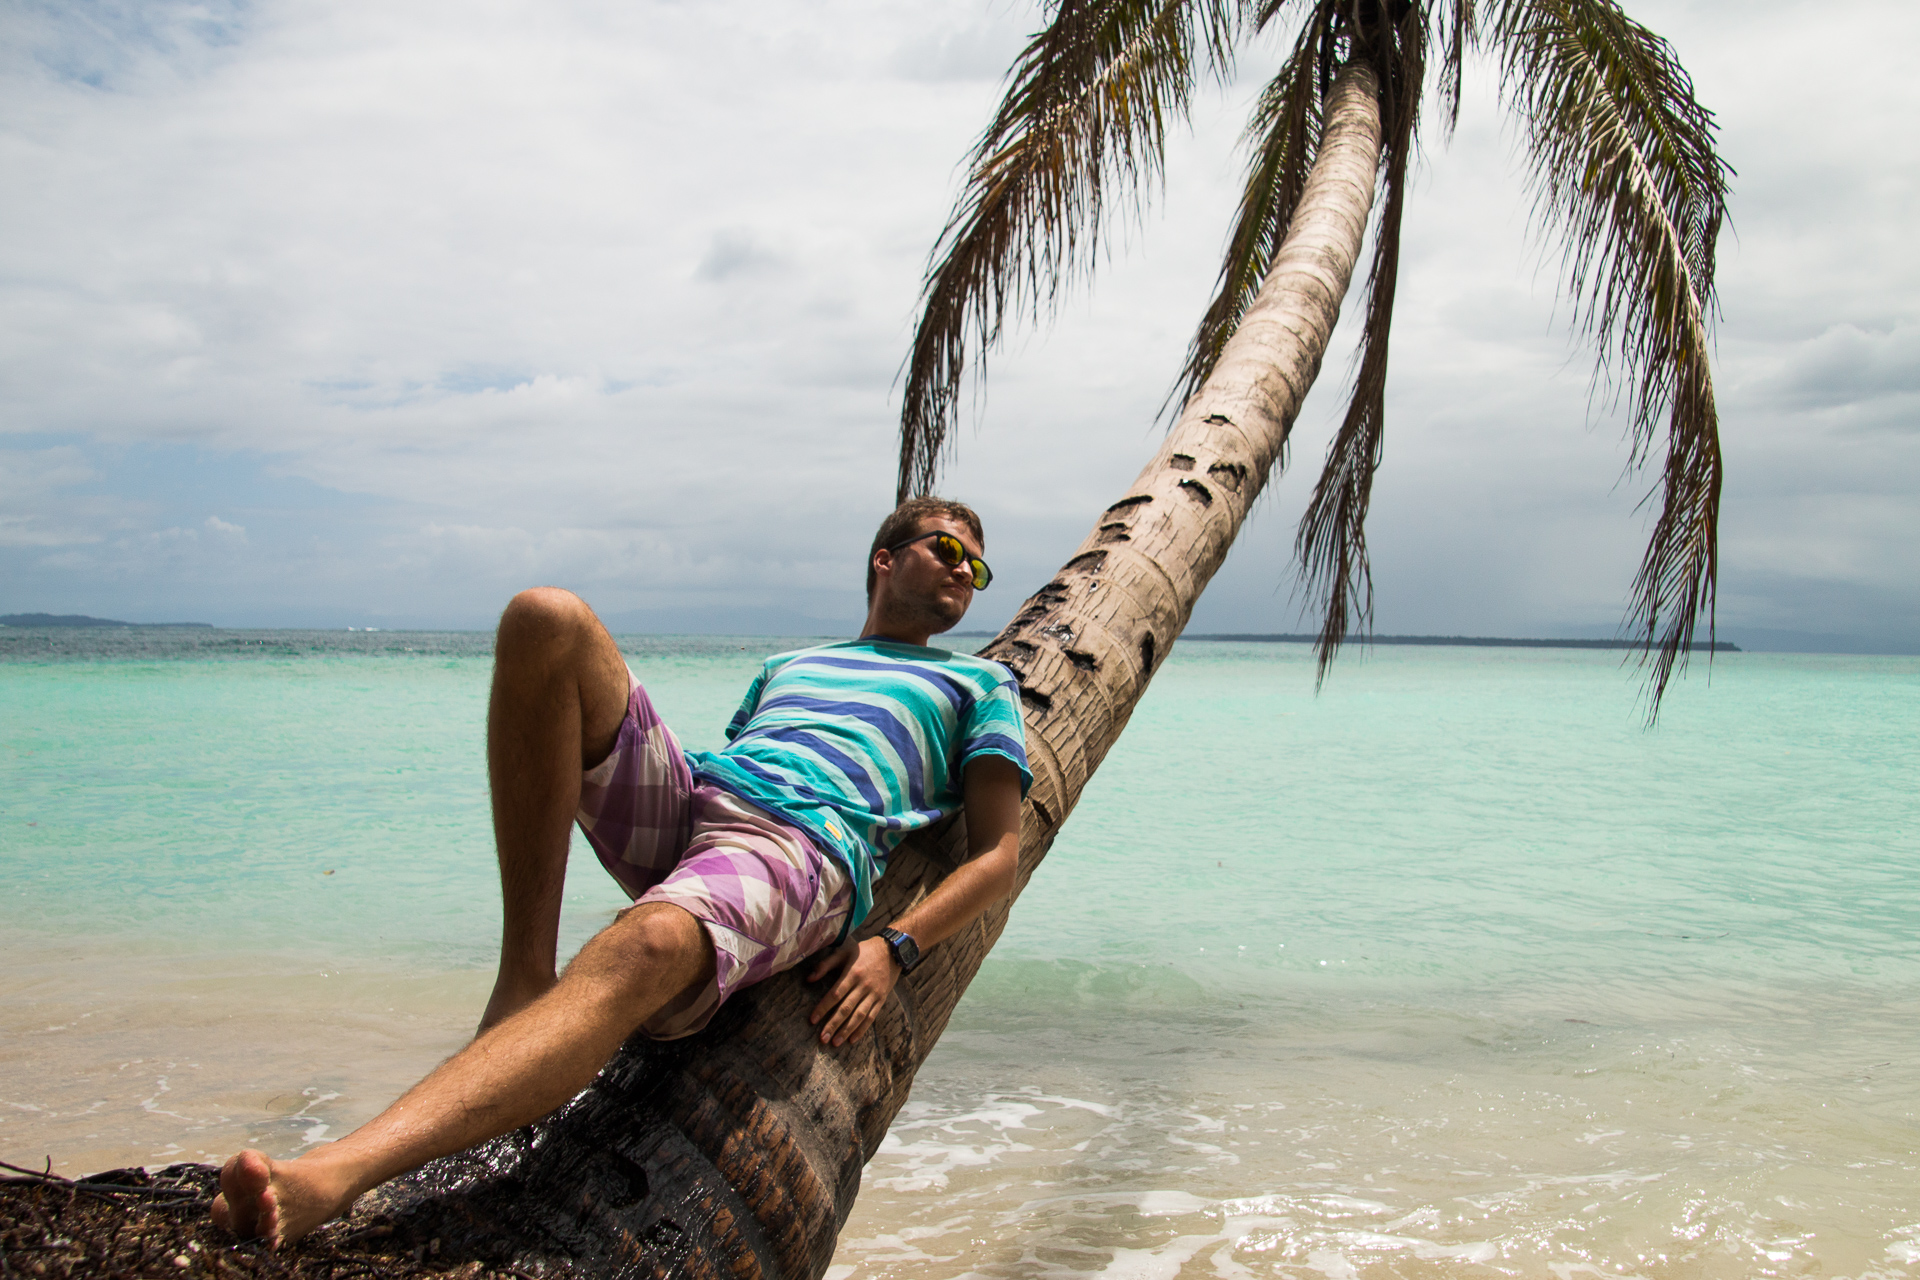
[(81, 620), (1504, 642)]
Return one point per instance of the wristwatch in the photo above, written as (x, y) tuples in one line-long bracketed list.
[(905, 950)]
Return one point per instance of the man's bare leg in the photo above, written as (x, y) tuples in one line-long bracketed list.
[(511, 1074), (559, 695)]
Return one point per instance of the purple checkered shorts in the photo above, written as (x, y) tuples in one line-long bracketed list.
[(766, 893)]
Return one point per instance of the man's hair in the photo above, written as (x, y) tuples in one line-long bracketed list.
[(906, 521)]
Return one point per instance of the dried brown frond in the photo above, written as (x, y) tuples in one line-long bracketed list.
[(1331, 544), (130, 1224), (1458, 35), (1086, 115), (1625, 175), (1283, 138)]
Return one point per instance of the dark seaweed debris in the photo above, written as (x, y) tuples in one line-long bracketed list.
[(129, 1224)]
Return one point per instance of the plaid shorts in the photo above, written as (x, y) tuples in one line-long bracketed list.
[(766, 893)]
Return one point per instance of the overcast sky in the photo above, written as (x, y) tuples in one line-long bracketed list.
[(354, 313)]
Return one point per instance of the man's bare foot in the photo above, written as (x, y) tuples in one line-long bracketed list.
[(278, 1200), (511, 994)]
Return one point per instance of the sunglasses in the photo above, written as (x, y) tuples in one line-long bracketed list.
[(953, 553)]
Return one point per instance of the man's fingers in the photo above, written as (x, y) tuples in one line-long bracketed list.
[(842, 1010), (837, 996), (826, 1005), (835, 960), (829, 1002), (841, 1013), (855, 1000), (852, 1019), (858, 1023), (829, 962), (834, 1033)]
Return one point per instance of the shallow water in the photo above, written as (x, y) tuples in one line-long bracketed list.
[(1450, 970)]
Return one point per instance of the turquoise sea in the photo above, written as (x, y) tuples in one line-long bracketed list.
[(1454, 969)]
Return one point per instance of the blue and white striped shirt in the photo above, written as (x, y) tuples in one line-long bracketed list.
[(863, 742)]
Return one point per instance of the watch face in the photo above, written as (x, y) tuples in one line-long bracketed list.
[(904, 949)]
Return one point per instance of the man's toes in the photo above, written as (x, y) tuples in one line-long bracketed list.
[(246, 1204)]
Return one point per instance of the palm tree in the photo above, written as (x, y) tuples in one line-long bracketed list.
[(739, 1152), (1622, 168)]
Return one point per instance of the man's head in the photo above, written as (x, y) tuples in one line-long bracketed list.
[(914, 517), (916, 577)]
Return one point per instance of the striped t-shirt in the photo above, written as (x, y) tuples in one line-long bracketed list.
[(862, 742)]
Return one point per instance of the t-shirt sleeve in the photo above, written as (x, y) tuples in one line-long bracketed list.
[(994, 728), (748, 705)]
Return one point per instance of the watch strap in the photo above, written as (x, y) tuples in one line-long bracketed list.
[(906, 952)]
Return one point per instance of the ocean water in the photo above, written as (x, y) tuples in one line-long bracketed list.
[(1454, 969)]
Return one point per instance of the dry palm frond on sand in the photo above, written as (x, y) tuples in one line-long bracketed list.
[(129, 1224)]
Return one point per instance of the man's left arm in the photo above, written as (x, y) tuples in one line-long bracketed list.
[(991, 789)]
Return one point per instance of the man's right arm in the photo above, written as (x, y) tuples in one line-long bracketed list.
[(868, 970)]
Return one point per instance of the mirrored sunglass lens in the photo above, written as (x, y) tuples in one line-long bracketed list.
[(954, 552)]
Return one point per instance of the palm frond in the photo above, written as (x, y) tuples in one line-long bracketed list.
[(1331, 544), (1086, 114), (1624, 173), (1460, 35), (1283, 138)]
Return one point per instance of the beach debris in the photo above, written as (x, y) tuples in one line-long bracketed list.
[(128, 1224)]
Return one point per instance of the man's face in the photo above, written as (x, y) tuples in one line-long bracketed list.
[(933, 590)]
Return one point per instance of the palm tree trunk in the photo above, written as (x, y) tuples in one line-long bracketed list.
[(738, 1152)]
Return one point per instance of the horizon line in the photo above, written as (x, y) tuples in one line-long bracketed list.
[(1519, 642)]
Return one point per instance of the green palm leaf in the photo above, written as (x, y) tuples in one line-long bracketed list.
[(1457, 38), (1087, 110), (1624, 173), (1331, 544), (1622, 168)]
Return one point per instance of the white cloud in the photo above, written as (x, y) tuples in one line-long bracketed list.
[(617, 294), (35, 509)]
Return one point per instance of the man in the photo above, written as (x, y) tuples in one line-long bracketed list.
[(742, 862)]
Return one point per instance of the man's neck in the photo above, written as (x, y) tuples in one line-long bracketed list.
[(899, 635), (889, 625)]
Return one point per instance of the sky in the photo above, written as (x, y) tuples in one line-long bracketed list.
[(360, 314)]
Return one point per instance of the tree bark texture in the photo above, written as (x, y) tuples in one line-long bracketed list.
[(738, 1152)]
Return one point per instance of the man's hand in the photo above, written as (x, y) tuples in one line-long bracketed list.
[(866, 979), (867, 969)]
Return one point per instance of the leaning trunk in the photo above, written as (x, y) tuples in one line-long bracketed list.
[(738, 1152)]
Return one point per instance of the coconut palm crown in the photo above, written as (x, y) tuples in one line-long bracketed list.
[(1621, 165)]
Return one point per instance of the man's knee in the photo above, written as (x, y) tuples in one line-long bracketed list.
[(550, 647), (648, 945), (547, 630), (542, 616)]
